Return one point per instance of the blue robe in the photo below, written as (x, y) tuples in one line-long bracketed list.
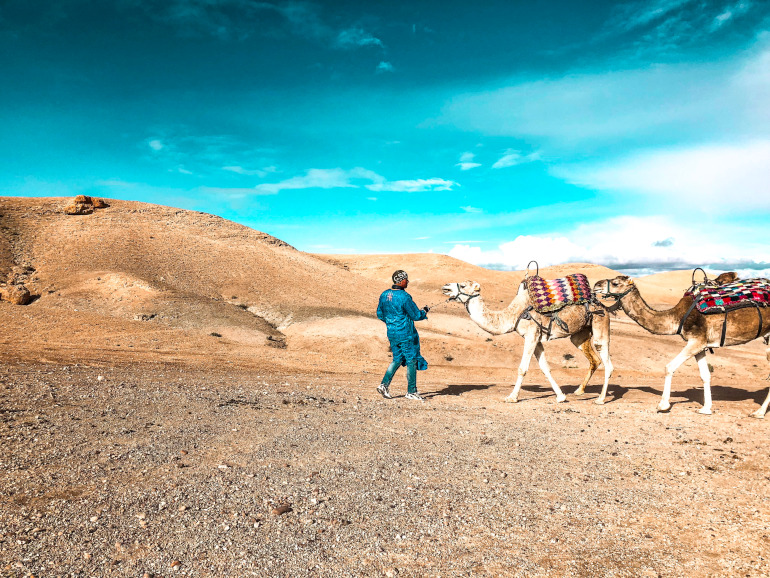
[(397, 309)]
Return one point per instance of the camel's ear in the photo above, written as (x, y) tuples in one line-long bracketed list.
[(476, 287)]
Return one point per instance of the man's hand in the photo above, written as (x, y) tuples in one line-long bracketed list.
[(426, 309)]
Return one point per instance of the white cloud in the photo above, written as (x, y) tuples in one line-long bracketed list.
[(414, 186), (723, 178), (469, 209), (356, 37), (643, 13), (704, 100), (321, 179), (354, 178), (729, 13), (246, 172), (633, 242), (384, 67), (512, 157), (466, 162), (156, 145)]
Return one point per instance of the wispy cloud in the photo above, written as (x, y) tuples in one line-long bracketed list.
[(354, 178), (206, 155), (469, 209), (729, 13), (722, 178), (414, 185), (385, 67), (248, 172), (658, 27), (630, 16), (240, 19), (512, 157), (653, 103), (356, 37), (635, 244), (466, 162)]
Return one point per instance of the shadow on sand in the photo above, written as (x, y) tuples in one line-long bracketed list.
[(459, 389), (692, 394)]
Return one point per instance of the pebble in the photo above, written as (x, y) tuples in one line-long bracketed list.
[(182, 508), (176, 564), (282, 509)]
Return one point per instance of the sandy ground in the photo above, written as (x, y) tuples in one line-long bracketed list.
[(161, 427)]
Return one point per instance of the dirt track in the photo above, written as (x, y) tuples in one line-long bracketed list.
[(159, 462)]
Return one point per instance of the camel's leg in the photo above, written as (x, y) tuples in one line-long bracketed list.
[(705, 375), (530, 341), (600, 329), (543, 362), (604, 352), (689, 350), (582, 340), (760, 413)]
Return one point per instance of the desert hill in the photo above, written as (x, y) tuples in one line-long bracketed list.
[(136, 279)]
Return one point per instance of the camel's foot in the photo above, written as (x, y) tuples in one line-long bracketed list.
[(511, 399), (664, 407), (561, 398), (580, 390), (758, 414), (705, 411), (599, 401)]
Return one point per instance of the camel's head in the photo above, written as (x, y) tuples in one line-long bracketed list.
[(617, 287), (462, 292)]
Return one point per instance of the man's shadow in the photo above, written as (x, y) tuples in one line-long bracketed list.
[(459, 389)]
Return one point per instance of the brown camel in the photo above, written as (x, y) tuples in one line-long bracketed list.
[(586, 331), (700, 331)]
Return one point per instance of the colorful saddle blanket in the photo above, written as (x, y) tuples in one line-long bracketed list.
[(745, 293), (548, 295)]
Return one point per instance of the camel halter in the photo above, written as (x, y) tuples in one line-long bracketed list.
[(616, 296), (459, 293)]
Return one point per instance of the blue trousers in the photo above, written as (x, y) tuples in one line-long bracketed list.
[(411, 374)]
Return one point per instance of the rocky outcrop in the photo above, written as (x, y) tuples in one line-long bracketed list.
[(84, 205), (16, 294)]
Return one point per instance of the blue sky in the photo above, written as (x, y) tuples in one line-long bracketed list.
[(633, 134)]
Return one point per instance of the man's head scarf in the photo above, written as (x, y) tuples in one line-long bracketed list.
[(399, 276)]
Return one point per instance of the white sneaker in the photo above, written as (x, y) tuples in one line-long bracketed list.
[(415, 396), (382, 389)]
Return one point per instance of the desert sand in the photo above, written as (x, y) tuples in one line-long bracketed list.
[(187, 396)]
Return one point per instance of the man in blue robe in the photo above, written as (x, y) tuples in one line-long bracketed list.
[(398, 311)]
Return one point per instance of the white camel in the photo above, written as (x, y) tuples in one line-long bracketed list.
[(586, 329)]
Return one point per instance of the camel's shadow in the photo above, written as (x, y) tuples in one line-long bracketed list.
[(459, 389), (695, 394), (615, 392)]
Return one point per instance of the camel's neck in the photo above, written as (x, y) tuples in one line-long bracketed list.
[(496, 322), (658, 322)]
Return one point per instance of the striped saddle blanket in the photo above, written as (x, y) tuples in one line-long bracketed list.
[(745, 293), (548, 295)]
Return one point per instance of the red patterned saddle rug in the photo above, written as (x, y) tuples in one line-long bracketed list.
[(744, 293), (548, 295)]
